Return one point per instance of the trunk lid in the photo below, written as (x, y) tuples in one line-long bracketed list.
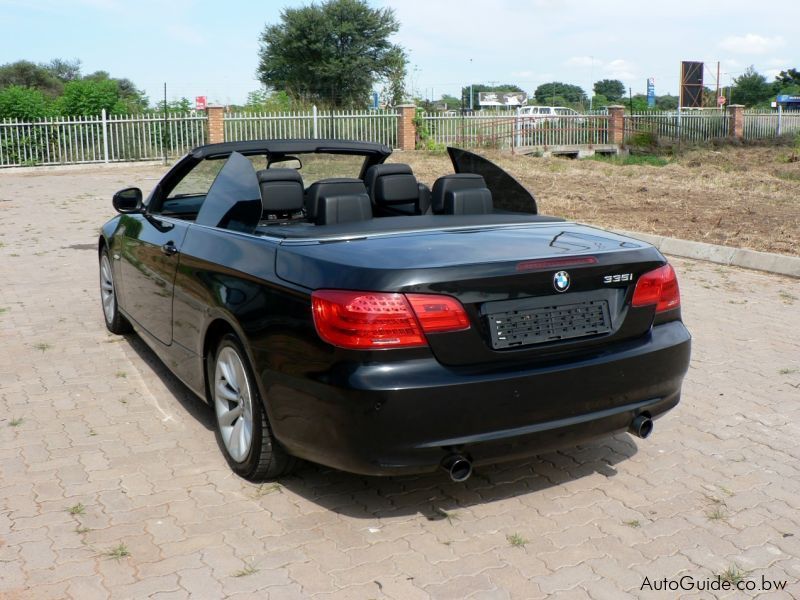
[(505, 276)]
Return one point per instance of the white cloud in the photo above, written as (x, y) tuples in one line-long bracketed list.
[(522, 74), (620, 69), (751, 43), (581, 61)]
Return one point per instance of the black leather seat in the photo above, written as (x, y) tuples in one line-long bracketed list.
[(394, 190), (281, 193), (461, 194), (343, 200)]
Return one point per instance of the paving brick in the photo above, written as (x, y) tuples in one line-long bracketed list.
[(138, 454)]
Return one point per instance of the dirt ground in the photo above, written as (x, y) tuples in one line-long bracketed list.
[(734, 196)]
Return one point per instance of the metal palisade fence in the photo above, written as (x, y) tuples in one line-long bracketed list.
[(504, 131), (696, 126), (366, 126), (96, 139), (761, 124), (104, 138)]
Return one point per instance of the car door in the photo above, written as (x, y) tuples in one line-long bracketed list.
[(150, 245)]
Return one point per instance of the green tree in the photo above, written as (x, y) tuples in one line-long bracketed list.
[(548, 93), (332, 52), (24, 103), (666, 102), (751, 88), (612, 89), (25, 73), (90, 97), (269, 101), (788, 77), (64, 70)]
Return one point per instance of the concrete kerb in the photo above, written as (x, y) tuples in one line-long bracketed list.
[(724, 255), (84, 166)]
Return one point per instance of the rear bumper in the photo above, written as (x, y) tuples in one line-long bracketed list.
[(405, 417)]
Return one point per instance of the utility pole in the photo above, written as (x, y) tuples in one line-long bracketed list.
[(164, 132), (470, 86), (716, 93)]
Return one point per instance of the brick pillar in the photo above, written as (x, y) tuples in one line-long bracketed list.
[(736, 124), (406, 130), (616, 125), (216, 128)]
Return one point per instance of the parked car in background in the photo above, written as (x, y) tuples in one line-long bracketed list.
[(536, 116), (331, 307)]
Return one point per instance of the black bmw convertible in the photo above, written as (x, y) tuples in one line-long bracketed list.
[(331, 307)]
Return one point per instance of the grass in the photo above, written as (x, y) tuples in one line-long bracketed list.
[(648, 160), (247, 570), (732, 574), (4, 309), (516, 540), (82, 529), (634, 523), (42, 346), (15, 422), (786, 371), (120, 374), (77, 509), (118, 552), (717, 513), (266, 488), (787, 297)]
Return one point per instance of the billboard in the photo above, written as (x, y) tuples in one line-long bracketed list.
[(502, 98), (199, 102), (651, 92), (691, 93)]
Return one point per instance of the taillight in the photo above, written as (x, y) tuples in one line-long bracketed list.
[(659, 287), (362, 320)]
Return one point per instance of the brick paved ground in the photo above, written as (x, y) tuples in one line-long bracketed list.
[(102, 452)]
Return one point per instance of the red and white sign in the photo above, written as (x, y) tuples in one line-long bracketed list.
[(200, 102), (721, 100)]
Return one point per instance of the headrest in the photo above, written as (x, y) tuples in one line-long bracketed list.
[(452, 183), (376, 171), (395, 189), (476, 201), (330, 187), (279, 175), (344, 208), (281, 190)]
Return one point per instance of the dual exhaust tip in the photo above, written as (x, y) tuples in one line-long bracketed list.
[(459, 467)]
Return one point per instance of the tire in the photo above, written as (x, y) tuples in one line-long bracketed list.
[(243, 432), (115, 322)]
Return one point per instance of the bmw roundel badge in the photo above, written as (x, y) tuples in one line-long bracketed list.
[(561, 281)]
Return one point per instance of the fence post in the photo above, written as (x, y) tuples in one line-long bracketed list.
[(105, 134), (780, 115), (216, 124), (616, 125), (406, 130), (736, 126), (314, 115)]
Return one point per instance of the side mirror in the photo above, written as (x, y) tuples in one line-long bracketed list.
[(128, 200)]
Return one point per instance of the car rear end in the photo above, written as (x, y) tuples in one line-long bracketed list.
[(461, 363)]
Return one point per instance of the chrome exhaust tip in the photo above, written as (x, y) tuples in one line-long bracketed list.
[(641, 426), (458, 467)]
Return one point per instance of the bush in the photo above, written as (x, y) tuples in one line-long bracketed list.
[(23, 103)]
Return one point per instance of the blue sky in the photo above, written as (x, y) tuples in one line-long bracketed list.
[(210, 48)]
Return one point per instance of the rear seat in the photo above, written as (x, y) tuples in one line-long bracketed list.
[(394, 190), (342, 200), (461, 194), (281, 194)]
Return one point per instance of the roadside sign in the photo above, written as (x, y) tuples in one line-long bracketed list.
[(721, 100), (200, 102)]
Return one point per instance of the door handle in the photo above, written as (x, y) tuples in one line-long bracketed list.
[(169, 248)]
